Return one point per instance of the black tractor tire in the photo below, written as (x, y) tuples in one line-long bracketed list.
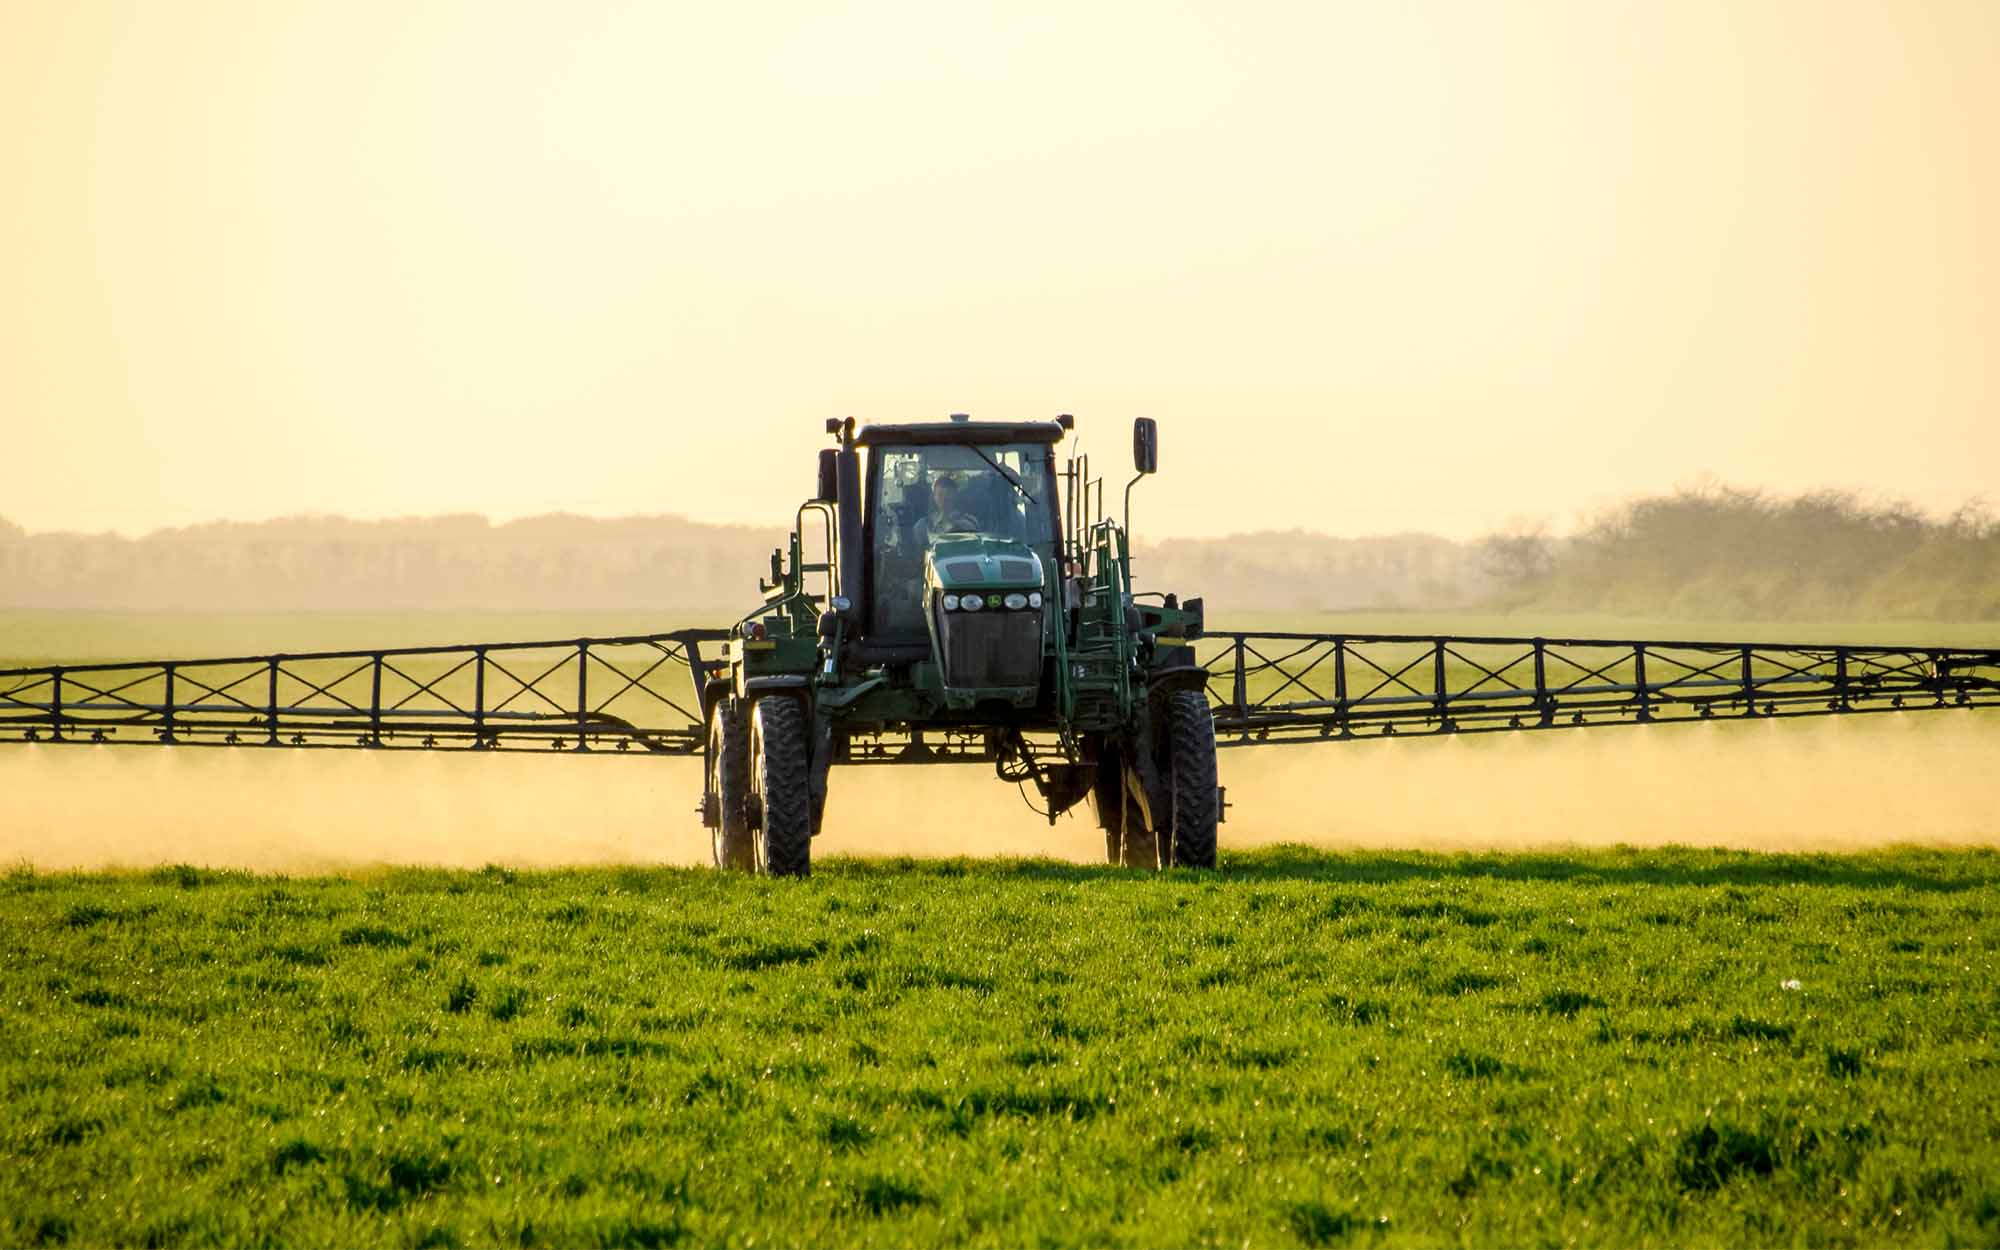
[(1191, 777), (729, 781), (782, 782)]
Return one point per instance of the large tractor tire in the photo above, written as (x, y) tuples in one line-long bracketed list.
[(782, 786), (729, 781), (1190, 835)]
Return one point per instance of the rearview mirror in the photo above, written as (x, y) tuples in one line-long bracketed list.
[(1146, 445)]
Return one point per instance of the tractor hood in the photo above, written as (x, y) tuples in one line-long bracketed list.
[(982, 598), (960, 562)]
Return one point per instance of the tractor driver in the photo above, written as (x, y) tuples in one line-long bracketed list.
[(948, 514), (899, 578)]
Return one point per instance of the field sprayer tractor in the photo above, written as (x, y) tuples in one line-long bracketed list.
[(960, 598)]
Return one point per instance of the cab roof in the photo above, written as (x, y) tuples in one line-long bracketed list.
[(932, 433)]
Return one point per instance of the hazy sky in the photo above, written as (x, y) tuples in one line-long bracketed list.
[(1372, 266)]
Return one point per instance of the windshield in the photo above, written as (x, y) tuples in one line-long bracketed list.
[(923, 493)]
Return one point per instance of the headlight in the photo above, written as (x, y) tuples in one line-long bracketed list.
[(971, 603), (951, 603), (1016, 601), (1035, 599)]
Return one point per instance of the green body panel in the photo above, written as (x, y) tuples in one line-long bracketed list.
[(771, 657)]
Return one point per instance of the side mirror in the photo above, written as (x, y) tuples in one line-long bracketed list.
[(1146, 445), (829, 475)]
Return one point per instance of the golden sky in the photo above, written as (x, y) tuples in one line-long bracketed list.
[(1425, 264)]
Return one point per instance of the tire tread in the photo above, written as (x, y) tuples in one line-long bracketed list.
[(784, 786), (730, 739), (1191, 763)]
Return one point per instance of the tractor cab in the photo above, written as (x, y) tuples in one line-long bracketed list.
[(961, 536)]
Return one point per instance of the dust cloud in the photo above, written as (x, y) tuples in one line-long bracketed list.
[(79, 806), (1814, 785), (1800, 785)]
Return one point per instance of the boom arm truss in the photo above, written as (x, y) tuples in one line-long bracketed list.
[(586, 694), (644, 691), (1292, 687)]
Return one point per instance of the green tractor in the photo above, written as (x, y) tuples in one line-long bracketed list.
[(960, 598)]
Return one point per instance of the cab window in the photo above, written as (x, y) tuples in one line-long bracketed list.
[(924, 493)]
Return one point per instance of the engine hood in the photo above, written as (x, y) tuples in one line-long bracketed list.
[(958, 563)]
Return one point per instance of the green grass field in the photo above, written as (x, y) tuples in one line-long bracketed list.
[(1593, 1048)]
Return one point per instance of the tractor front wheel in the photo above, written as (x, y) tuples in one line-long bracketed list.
[(1191, 769), (729, 784), (779, 779)]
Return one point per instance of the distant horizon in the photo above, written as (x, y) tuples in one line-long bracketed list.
[(1709, 551), (1580, 519), (1140, 537)]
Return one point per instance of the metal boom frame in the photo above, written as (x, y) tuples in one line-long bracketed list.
[(1282, 687), (578, 694), (613, 694)]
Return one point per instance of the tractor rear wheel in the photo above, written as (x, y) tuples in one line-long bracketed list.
[(729, 783), (780, 781), (1190, 833)]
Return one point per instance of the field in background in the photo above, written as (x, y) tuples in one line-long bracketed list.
[(1617, 1048)]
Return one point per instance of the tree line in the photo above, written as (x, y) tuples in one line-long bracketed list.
[(1709, 552), (1724, 552), (668, 564), (450, 563)]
